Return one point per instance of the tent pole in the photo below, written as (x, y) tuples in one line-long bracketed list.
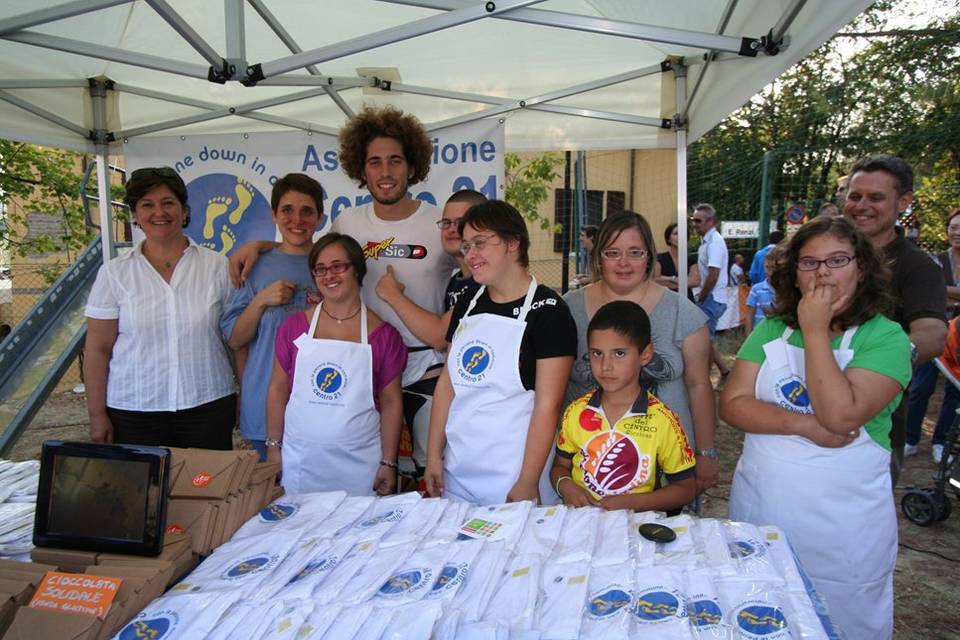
[(680, 126), (98, 98)]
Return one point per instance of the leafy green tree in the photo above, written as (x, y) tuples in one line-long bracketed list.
[(528, 184)]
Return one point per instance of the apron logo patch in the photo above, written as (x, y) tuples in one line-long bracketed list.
[(706, 613), (405, 581), (761, 621), (792, 395), (613, 465), (657, 605), (329, 381), (155, 628), (474, 360), (608, 602), (278, 511), (249, 566)]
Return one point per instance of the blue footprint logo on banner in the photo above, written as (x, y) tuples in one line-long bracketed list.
[(226, 211)]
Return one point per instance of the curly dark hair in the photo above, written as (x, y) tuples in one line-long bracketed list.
[(384, 122), (873, 290)]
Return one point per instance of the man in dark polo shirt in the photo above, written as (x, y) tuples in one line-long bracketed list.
[(879, 190)]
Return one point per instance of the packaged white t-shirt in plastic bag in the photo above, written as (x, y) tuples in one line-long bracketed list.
[(373, 627), (542, 530), (326, 557), (447, 529), (782, 557), (455, 570), (484, 576), (414, 578), (287, 623), (754, 609), (344, 517), (659, 605), (346, 625), (306, 549), (713, 547), (382, 517), (418, 522), (514, 600), (374, 573), (240, 566), (578, 537), (682, 552), (609, 601), (192, 615), (613, 541), (747, 546), (496, 522), (332, 588), (642, 550), (413, 621), (257, 620), (563, 595), (321, 618), (704, 608), (804, 621), (483, 630), (293, 511), (230, 620)]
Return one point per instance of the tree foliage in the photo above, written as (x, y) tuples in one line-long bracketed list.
[(528, 184), (880, 88)]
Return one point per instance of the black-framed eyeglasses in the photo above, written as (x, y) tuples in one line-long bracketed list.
[(446, 223), (163, 172), (631, 254), (833, 262), (336, 268)]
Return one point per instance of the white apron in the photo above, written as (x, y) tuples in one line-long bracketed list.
[(331, 434), (834, 504), (490, 414)]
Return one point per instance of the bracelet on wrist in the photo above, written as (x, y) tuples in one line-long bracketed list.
[(270, 442), (556, 487), (387, 463), (709, 453)]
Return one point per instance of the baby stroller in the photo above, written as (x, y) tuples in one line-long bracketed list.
[(926, 506)]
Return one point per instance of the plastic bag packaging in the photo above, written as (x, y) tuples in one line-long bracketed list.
[(372, 628), (446, 626), (578, 536), (514, 601), (288, 622), (613, 543), (485, 630), (642, 550), (240, 566), (413, 622), (608, 604), (713, 547), (293, 511), (754, 609), (455, 570), (562, 598), (804, 621), (682, 552), (374, 573), (346, 624), (229, 621), (782, 557), (319, 621), (332, 588), (258, 618), (747, 545), (192, 615), (542, 531), (454, 514), (382, 517), (704, 609), (345, 516), (496, 522), (421, 518), (317, 568), (414, 578), (659, 605), (306, 549), (482, 579)]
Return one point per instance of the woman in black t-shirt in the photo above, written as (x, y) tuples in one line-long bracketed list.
[(497, 402)]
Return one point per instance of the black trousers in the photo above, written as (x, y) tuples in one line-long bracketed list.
[(208, 426)]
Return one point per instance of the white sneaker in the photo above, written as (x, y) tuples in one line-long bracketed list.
[(937, 453), (910, 449)]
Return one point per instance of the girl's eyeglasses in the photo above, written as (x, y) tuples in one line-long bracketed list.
[(833, 262), (336, 268)]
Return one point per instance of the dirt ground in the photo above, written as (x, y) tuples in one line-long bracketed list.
[(927, 578)]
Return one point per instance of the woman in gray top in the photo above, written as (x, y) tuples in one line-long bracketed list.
[(679, 374)]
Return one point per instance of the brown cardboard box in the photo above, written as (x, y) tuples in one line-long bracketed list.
[(30, 624), (8, 567), (140, 586), (174, 544), (264, 471), (248, 462), (157, 572), (68, 560), (276, 492), (203, 473), (222, 510), (20, 590), (196, 517), (8, 609)]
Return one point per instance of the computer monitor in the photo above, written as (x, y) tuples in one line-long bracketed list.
[(102, 497)]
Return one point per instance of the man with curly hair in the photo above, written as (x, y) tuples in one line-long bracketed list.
[(388, 151)]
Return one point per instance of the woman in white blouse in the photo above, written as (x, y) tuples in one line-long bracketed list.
[(155, 367)]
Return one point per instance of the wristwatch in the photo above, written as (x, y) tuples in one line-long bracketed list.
[(270, 442), (709, 453)]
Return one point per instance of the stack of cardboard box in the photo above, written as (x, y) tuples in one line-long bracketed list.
[(212, 493)]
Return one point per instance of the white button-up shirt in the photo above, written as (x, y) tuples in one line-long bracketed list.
[(169, 354)]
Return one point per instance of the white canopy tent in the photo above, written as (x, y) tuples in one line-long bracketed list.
[(564, 74)]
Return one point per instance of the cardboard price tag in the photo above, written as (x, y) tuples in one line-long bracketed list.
[(76, 593)]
